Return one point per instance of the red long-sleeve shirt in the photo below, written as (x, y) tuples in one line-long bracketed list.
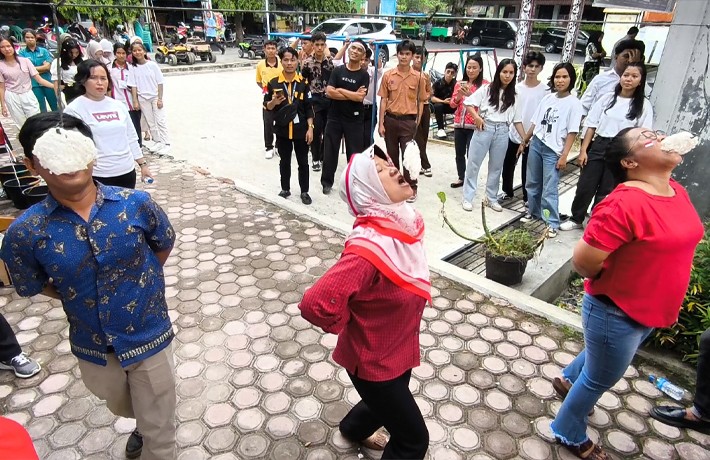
[(377, 322)]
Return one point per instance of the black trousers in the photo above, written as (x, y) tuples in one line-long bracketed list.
[(268, 129), (367, 128), (462, 137), (286, 146), (127, 180), (389, 404), (397, 134), (439, 111), (422, 136), (9, 348), (511, 160), (213, 42), (595, 180), (335, 130), (319, 121), (136, 119), (702, 387)]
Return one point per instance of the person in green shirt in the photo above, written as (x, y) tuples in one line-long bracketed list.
[(42, 60)]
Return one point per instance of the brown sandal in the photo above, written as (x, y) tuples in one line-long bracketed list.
[(562, 387), (376, 441), (587, 450)]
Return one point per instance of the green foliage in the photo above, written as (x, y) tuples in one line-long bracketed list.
[(518, 243), (694, 318), (423, 6), (331, 6), (109, 12), (237, 5)]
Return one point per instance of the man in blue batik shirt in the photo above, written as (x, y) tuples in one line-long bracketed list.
[(101, 250)]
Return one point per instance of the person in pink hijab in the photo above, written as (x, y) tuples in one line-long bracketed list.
[(373, 298)]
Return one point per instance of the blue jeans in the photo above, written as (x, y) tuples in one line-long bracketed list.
[(541, 182), (45, 96), (611, 339), (493, 139)]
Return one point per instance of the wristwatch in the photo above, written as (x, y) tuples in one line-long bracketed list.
[(311, 125)]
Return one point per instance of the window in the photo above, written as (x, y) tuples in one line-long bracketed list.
[(366, 28), (328, 27), (352, 29), (378, 26)]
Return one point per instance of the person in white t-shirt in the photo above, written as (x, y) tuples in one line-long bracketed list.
[(111, 127), (625, 107), (120, 91), (493, 108), (554, 128), (146, 82), (529, 93)]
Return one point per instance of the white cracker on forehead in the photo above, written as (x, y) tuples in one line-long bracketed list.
[(62, 151)]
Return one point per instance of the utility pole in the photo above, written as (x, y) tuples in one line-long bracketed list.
[(522, 38), (575, 17)]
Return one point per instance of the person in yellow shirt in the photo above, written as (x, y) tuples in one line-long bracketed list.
[(267, 70)]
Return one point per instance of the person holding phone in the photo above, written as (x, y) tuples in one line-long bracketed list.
[(288, 98)]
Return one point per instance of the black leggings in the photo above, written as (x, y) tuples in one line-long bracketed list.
[(462, 137), (127, 180), (9, 348), (389, 404), (136, 119)]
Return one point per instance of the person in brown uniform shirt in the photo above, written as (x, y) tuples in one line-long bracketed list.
[(400, 89)]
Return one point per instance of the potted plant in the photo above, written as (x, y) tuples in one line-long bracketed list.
[(507, 252)]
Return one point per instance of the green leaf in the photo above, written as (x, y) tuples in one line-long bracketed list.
[(442, 197)]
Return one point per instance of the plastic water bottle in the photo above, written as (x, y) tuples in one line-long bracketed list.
[(148, 180), (667, 387)]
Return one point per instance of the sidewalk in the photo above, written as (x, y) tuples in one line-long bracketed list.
[(256, 381)]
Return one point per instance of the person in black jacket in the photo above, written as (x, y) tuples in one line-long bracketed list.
[(289, 98)]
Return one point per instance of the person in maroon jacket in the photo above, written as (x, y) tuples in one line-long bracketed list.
[(373, 298)]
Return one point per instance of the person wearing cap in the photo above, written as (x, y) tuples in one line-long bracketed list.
[(100, 250), (346, 89), (401, 88)]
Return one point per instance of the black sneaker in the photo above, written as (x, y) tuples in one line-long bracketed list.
[(134, 446), (327, 190), (23, 366), (306, 198), (316, 165), (284, 194)]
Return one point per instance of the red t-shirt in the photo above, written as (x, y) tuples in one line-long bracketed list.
[(377, 322), (651, 240), (15, 442)]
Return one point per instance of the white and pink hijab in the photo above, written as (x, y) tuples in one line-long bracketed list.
[(388, 235)]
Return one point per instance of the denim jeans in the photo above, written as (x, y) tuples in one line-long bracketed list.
[(611, 339), (493, 139), (542, 181)]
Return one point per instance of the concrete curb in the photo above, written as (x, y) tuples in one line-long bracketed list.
[(190, 69)]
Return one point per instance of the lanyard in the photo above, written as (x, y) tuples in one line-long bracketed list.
[(292, 85)]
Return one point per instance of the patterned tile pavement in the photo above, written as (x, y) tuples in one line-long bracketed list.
[(255, 380)]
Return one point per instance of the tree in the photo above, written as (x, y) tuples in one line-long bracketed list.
[(334, 6), (238, 16), (107, 13)]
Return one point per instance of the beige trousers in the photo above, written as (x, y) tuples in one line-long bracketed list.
[(144, 391), (156, 119)]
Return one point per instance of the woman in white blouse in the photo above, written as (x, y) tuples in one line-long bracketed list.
[(69, 58), (626, 107), (496, 111)]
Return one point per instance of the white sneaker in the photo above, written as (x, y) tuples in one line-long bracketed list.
[(494, 205), (569, 225), (441, 134), (467, 205), (269, 154), (151, 146), (527, 218), (164, 149), (551, 232)]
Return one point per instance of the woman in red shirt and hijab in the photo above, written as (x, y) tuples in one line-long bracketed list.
[(373, 298), (636, 255)]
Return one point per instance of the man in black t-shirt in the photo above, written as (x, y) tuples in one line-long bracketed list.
[(346, 89)]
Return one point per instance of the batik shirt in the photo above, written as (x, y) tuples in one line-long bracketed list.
[(105, 270), (317, 74)]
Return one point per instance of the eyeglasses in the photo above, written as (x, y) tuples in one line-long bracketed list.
[(646, 134)]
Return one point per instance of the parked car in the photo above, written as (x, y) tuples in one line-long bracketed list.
[(553, 39), (367, 29), (492, 32)]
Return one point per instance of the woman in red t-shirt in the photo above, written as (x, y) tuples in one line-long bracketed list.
[(373, 298), (636, 254)]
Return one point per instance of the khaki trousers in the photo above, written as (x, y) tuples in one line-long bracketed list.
[(156, 119), (21, 106), (144, 391)]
